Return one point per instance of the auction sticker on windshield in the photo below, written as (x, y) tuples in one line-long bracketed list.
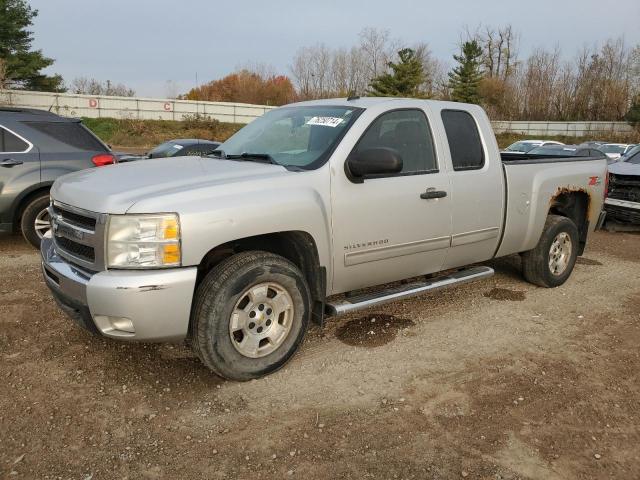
[(325, 121)]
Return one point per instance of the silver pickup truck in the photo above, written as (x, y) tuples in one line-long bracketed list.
[(298, 213)]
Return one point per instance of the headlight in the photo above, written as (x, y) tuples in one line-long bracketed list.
[(143, 241)]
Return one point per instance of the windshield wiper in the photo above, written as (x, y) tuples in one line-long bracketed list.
[(217, 154), (265, 157)]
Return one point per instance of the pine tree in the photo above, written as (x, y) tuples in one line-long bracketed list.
[(404, 80), (22, 65), (464, 80)]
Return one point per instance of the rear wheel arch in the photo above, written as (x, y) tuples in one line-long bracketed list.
[(573, 205), (21, 202)]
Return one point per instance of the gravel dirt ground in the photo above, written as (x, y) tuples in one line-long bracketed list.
[(494, 380)]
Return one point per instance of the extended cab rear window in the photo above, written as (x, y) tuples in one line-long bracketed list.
[(10, 143), (70, 133), (464, 140)]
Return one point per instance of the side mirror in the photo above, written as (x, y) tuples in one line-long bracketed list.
[(374, 161)]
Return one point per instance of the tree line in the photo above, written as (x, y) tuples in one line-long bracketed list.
[(596, 83)]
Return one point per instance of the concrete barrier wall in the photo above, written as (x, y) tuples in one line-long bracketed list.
[(570, 129), (96, 106)]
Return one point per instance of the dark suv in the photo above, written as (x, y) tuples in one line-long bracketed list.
[(36, 147)]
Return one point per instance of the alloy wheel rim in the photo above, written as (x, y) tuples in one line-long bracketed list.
[(560, 253), (261, 319), (42, 223)]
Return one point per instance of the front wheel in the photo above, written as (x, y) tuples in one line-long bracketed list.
[(551, 262), (250, 315)]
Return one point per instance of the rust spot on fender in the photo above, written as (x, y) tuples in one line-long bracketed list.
[(567, 190)]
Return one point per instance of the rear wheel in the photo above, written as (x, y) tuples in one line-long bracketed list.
[(250, 315), (34, 221), (550, 264)]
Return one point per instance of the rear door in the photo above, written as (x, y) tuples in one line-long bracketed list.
[(385, 228), (477, 186), (19, 168)]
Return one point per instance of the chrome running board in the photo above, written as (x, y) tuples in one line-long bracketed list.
[(366, 300)]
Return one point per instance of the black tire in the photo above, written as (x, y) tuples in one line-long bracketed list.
[(535, 263), (35, 207), (216, 298)]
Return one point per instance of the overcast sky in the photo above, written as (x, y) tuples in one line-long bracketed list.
[(145, 43)]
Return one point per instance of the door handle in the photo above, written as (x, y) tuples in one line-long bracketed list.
[(10, 162), (433, 193)]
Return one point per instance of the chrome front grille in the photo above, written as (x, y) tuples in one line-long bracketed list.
[(82, 221), (79, 235)]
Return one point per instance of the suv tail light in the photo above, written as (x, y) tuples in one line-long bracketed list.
[(103, 159)]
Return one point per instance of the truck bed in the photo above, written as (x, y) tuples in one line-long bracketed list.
[(535, 184), (527, 159)]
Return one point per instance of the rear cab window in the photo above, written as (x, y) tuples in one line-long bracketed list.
[(464, 140), (73, 134), (12, 143)]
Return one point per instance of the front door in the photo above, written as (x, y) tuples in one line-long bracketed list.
[(392, 227)]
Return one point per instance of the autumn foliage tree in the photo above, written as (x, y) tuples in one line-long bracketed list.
[(246, 87)]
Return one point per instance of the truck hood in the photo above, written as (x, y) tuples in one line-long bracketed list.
[(624, 168), (116, 188)]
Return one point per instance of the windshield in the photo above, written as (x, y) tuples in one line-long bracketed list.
[(612, 148), (522, 146), (634, 159), (302, 137), (167, 149), (632, 151)]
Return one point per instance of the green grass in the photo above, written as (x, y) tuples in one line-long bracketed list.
[(149, 133)]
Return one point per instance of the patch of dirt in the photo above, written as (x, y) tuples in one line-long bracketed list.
[(505, 294), (587, 261), (372, 330), (624, 246), (468, 388)]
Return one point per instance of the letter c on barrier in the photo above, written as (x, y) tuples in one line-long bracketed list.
[(93, 103), (167, 107)]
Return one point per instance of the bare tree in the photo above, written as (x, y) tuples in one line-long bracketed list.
[(500, 48), (434, 71), (91, 86), (376, 45), (3, 74), (538, 83), (302, 72)]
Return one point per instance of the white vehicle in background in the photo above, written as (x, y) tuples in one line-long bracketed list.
[(524, 146), (615, 150)]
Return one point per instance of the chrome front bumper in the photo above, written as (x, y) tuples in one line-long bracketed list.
[(150, 305)]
